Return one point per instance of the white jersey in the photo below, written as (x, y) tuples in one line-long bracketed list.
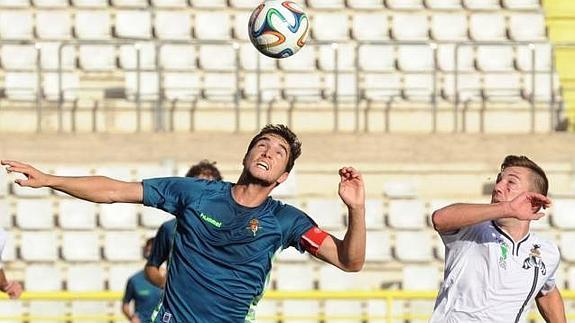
[(3, 237), (490, 278)]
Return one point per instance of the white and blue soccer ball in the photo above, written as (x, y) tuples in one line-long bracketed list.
[(278, 28)]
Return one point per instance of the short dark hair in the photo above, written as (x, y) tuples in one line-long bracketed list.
[(287, 135), (205, 167), (540, 182)]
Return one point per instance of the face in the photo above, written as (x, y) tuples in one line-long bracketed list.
[(511, 182), (267, 160)]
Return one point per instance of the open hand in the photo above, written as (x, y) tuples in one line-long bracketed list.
[(351, 188), (34, 177), (526, 206)]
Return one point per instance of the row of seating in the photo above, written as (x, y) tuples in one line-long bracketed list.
[(315, 4), (333, 26)]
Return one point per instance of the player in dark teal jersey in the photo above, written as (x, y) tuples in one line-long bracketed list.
[(144, 295), (227, 234), (164, 237)]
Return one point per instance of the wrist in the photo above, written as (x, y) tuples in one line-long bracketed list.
[(505, 209)]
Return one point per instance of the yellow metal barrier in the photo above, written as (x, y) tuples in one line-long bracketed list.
[(388, 295)]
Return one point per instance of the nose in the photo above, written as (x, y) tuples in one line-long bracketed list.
[(498, 188)]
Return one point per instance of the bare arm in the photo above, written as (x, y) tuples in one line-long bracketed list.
[(12, 288), (98, 189), (460, 215), (348, 254), (551, 306), (132, 317), (155, 275)]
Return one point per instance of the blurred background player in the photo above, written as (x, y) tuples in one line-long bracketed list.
[(12, 288), (205, 169), (144, 295), (227, 233), (494, 265)]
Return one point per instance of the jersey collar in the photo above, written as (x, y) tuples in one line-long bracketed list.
[(516, 245)]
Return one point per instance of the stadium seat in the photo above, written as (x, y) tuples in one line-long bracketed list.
[(449, 26), (571, 278), (446, 58), (9, 252), (49, 52), (544, 90), (53, 25), (409, 26), (300, 311), (249, 56), (270, 90), (226, 55), (415, 58), (16, 25), (131, 246), (220, 86), (50, 4), (240, 23), (133, 24), (3, 182), (468, 87), (406, 214), (374, 219), (18, 57), (381, 87), (304, 61), (6, 210), (266, 311), (77, 274), (178, 57), (364, 4), (35, 278), (369, 26), (284, 277), (169, 4), (242, 4), (521, 4), (119, 274), (481, 4), (404, 4), (527, 27), (443, 4), (68, 83), (90, 4), (11, 308), (404, 250), (172, 25), (75, 214), (400, 189), (326, 4), (128, 56), (38, 246), (419, 277), (20, 86), (332, 278), (330, 26), (495, 58), (34, 214), (562, 213), (502, 87), (153, 218), (181, 86), (118, 216), (209, 4), (92, 25), (80, 246), (378, 246), (376, 58), (292, 255), (346, 87), (327, 213), (204, 25), (14, 4), (487, 27), (566, 242), (345, 57), (147, 88), (419, 87), (303, 87), (543, 57), (132, 4), (97, 58)]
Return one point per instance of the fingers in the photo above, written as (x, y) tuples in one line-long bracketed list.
[(539, 200), (12, 163), (349, 173)]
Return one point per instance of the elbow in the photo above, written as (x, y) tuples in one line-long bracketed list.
[(437, 221), (354, 267)]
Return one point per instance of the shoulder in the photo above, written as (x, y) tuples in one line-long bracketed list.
[(547, 246), (281, 209), (168, 225)]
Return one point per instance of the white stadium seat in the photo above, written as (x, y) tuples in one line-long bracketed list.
[(543, 57), (410, 26), (522, 4), (544, 90), (404, 4), (365, 4), (571, 278), (304, 61), (80, 246), (529, 26), (240, 23), (303, 87), (92, 25), (334, 279), (219, 86), (487, 27), (147, 89), (330, 26), (14, 3), (5, 210), (419, 277), (16, 25), (481, 4), (406, 214), (21, 86), (130, 241), (128, 56), (204, 23), (346, 86), (118, 216), (3, 181), (382, 87), (415, 58), (418, 87), (242, 4), (75, 214), (89, 4), (566, 242), (49, 52), (18, 57), (118, 275), (378, 246), (35, 278), (178, 57), (38, 246), (369, 26), (327, 213), (399, 189), (502, 87), (129, 3), (169, 4), (374, 218), (209, 4), (443, 4), (226, 55), (153, 218), (562, 216), (97, 58), (300, 311), (181, 86), (449, 26), (50, 4), (446, 59), (11, 308), (9, 252), (53, 25), (173, 25), (326, 4), (53, 83), (495, 58), (249, 57), (266, 311), (133, 24), (269, 90), (345, 57), (404, 250), (34, 214), (77, 274), (376, 58), (284, 277)]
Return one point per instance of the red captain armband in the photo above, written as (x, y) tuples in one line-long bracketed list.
[(312, 240)]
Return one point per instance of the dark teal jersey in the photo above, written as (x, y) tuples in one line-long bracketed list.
[(145, 295), (222, 252), (162, 243)]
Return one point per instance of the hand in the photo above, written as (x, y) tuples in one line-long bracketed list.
[(351, 188), (34, 177), (526, 206), (13, 289)]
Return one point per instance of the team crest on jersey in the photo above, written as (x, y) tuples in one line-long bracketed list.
[(504, 251), (254, 226), (534, 260)]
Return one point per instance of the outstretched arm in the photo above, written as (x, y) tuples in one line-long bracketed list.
[(12, 288), (348, 254), (551, 306), (456, 216), (98, 189)]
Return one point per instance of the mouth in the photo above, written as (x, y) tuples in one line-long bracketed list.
[(263, 165)]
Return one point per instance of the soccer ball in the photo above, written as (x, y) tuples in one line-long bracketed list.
[(278, 28)]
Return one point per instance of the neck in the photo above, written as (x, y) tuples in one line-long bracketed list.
[(516, 229), (250, 192)]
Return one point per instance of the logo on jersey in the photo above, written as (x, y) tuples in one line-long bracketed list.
[(167, 317), (534, 260), (210, 220), (504, 251), (254, 226)]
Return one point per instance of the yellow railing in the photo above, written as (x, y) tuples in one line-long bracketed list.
[(388, 295)]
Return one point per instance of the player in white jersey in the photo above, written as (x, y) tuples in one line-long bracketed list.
[(494, 266), (12, 288)]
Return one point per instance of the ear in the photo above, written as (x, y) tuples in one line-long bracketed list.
[(282, 178)]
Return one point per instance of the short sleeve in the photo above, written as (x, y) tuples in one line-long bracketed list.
[(470, 233), (295, 224), (171, 194), (162, 244), (129, 293), (550, 282)]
